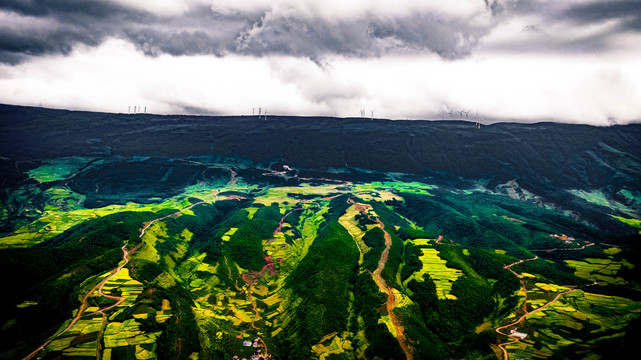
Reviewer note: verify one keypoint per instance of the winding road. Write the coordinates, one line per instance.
(514, 339)
(526, 313)
(100, 286)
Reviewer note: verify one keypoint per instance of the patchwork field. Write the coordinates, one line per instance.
(185, 285)
(573, 324)
(600, 270)
(433, 265)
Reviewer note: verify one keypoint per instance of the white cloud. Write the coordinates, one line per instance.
(516, 87)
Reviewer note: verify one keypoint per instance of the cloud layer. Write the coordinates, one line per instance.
(305, 28)
(570, 60)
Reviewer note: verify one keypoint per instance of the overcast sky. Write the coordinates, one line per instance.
(573, 61)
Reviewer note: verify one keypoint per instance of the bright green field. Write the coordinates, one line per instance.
(443, 276)
(59, 169)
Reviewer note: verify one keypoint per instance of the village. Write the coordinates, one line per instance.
(258, 354)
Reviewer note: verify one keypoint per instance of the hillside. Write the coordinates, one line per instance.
(176, 237)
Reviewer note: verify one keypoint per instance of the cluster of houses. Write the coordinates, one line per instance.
(252, 344)
(518, 335)
(563, 237)
(258, 355)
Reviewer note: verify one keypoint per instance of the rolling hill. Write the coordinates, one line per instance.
(173, 237)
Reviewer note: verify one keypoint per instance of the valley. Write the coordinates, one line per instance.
(211, 256)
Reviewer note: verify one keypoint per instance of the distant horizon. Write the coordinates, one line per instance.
(471, 121)
(569, 61)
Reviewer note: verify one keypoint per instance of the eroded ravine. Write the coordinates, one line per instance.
(391, 298)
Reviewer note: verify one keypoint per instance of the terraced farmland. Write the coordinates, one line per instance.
(184, 275)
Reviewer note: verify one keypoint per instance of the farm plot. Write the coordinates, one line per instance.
(573, 324)
(349, 222)
(127, 336)
(443, 276)
(123, 285)
(59, 169)
(81, 339)
(599, 270)
(334, 344)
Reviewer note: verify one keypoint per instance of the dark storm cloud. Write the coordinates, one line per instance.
(61, 8)
(273, 33)
(56, 26)
(202, 31)
(568, 28)
(628, 11)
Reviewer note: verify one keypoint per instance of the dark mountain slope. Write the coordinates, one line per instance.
(544, 158)
(565, 155)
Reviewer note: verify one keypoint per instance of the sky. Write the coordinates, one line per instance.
(575, 61)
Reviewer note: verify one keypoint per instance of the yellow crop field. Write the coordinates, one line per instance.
(599, 270)
(443, 276)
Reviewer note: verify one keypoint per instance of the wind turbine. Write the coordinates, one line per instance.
(451, 111)
(460, 114)
(129, 109)
(145, 109)
(372, 111)
(467, 112)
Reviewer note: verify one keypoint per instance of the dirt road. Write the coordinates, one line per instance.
(498, 330)
(391, 298)
(509, 267)
(526, 313)
(119, 299)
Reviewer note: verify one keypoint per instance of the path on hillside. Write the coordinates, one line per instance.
(571, 249)
(509, 267)
(233, 178)
(391, 298)
(525, 312)
(282, 220)
(100, 287)
(251, 277)
(148, 224)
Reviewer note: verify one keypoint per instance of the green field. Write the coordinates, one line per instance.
(574, 323)
(433, 265)
(185, 285)
(599, 270)
(59, 169)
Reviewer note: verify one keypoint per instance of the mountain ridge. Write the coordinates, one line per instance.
(545, 159)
